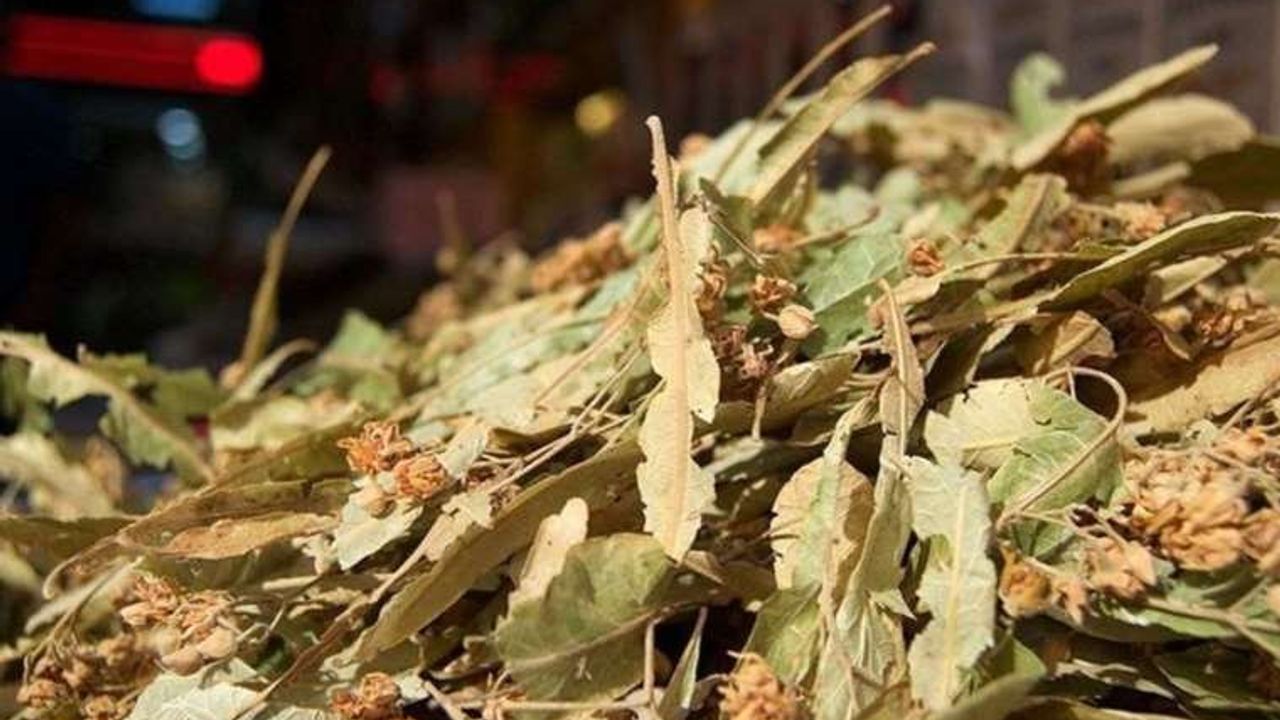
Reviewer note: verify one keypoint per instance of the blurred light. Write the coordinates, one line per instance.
(181, 134)
(233, 63)
(130, 54)
(178, 126)
(599, 111)
(192, 10)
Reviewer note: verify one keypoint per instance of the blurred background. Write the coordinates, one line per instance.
(147, 147)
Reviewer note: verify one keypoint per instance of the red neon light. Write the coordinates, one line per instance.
(131, 54)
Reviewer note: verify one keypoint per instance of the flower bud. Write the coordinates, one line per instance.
(796, 321)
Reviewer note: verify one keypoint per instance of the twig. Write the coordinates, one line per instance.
(262, 317)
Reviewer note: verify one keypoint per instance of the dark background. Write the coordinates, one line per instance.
(525, 115)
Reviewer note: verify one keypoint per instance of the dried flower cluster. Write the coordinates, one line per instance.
(581, 262)
(186, 631)
(380, 448)
(95, 680)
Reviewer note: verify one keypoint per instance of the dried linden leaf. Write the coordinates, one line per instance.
(959, 585)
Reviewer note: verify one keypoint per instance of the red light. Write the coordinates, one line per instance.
(230, 63)
(162, 57)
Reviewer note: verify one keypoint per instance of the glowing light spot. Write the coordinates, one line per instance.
(599, 111)
(229, 63)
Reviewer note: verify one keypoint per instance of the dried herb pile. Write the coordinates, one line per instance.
(869, 412)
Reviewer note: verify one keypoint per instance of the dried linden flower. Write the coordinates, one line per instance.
(581, 262)
(376, 449)
(923, 259)
(768, 293)
(420, 478)
(1123, 569)
(376, 698)
(753, 692)
(1262, 540)
(1024, 590)
(1141, 219)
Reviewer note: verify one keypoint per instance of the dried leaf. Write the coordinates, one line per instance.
(1183, 127)
(902, 394)
(58, 485)
(843, 288)
(47, 541)
(812, 510)
(262, 316)
(1033, 437)
(556, 536)
(674, 489)
(1203, 235)
(1214, 680)
(584, 640)
(677, 698)
(233, 538)
(146, 433)
(360, 533)
(599, 481)
(1111, 102)
(1213, 386)
(1064, 341)
(1029, 93)
(959, 584)
(788, 148)
(1029, 210)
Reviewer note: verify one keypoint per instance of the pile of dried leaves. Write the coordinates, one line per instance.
(870, 412)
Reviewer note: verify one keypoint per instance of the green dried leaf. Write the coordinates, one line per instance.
(148, 433)
(204, 695)
(787, 631)
(585, 639)
(1231, 603)
(1183, 127)
(788, 148)
(1215, 679)
(360, 534)
(361, 361)
(1030, 91)
(1110, 102)
(1201, 236)
(602, 481)
(1033, 437)
(959, 585)
(843, 287)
